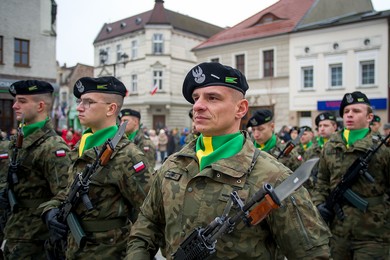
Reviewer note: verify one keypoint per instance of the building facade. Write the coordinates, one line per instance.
(332, 57)
(151, 54)
(27, 48)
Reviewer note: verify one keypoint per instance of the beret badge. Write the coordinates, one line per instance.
(198, 74)
(80, 86)
(349, 98)
(12, 89)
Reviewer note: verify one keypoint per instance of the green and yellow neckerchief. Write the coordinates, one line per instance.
(29, 129)
(212, 149)
(305, 146)
(132, 135)
(351, 136)
(321, 141)
(89, 139)
(267, 146)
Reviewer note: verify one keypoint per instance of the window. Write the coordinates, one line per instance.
(118, 52)
(307, 77)
(367, 72)
(268, 63)
(240, 63)
(134, 49)
(336, 75)
(134, 83)
(158, 44)
(158, 79)
(1, 50)
(214, 60)
(22, 52)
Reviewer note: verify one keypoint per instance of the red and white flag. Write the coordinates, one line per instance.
(154, 89)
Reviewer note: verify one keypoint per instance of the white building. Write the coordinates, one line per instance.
(152, 49)
(332, 57)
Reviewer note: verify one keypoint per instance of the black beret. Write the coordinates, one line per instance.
(108, 85)
(129, 112)
(306, 128)
(376, 119)
(30, 87)
(260, 117)
(356, 97)
(324, 116)
(213, 74)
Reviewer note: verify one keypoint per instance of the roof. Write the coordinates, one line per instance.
(346, 19)
(158, 15)
(284, 15)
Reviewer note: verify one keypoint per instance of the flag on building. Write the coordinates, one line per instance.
(154, 89)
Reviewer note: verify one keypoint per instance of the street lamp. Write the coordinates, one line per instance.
(103, 55)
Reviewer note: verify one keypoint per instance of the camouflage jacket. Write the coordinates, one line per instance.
(116, 192)
(334, 161)
(292, 160)
(4, 161)
(182, 198)
(147, 147)
(42, 173)
(313, 151)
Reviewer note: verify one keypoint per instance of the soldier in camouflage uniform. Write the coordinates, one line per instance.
(4, 160)
(193, 186)
(42, 171)
(327, 125)
(263, 126)
(306, 140)
(120, 186)
(361, 235)
(134, 134)
(375, 125)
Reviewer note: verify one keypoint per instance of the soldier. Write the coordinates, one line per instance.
(375, 125)
(116, 189)
(263, 126)
(137, 136)
(294, 132)
(4, 160)
(360, 235)
(386, 128)
(193, 186)
(43, 161)
(306, 140)
(326, 125)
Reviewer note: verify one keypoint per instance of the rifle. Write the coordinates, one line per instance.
(79, 191)
(201, 243)
(290, 145)
(333, 202)
(12, 177)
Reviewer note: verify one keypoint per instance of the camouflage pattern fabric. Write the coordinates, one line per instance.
(114, 192)
(359, 229)
(182, 198)
(42, 174)
(313, 151)
(190, 137)
(292, 161)
(147, 147)
(4, 161)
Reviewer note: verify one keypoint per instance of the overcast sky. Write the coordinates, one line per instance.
(79, 21)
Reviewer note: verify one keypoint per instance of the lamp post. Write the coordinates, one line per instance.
(103, 55)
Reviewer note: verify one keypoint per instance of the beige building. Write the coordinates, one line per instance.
(27, 48)
(152, 49)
